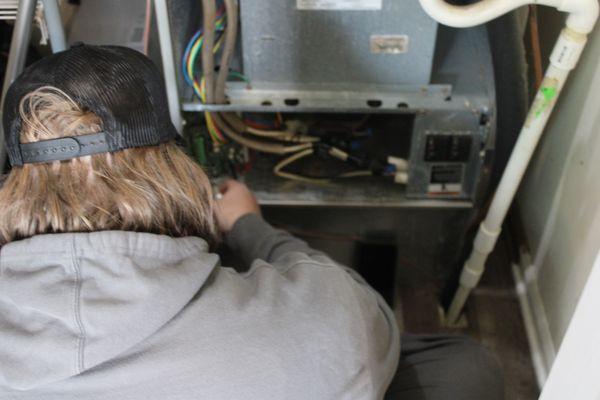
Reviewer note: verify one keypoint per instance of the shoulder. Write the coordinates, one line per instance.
(317, 294)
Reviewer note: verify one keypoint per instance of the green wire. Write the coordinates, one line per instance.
(196, 51)
(196, 48)
(200, 149)
(239, 75)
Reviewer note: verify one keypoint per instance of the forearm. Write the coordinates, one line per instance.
(253, 238)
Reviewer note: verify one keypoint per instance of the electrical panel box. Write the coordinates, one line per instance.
(380, 58)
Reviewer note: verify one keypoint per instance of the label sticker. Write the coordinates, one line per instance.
(389, 44)
(339, 4)
(446, 180)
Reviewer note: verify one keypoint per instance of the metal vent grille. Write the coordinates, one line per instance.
(8, 9)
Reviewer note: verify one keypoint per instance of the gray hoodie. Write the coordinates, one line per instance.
(122, 315)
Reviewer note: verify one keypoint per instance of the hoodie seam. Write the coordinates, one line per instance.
(186, 249)
(310, 263)
(77, 308)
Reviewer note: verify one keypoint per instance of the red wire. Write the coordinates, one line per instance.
(257, 125)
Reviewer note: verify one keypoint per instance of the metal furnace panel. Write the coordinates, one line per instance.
(342, 42)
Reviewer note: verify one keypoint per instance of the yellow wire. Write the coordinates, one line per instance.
(210, 124)
(218, 44)
(194, 49)
(201, 88)
(197, 87)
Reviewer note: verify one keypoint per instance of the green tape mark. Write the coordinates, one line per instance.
(549, 93)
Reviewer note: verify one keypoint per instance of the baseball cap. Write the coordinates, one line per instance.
(121, 86)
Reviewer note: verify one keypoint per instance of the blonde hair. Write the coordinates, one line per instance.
(156, 189)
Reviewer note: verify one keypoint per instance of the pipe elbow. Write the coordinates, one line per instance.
(583, 14)
(469, 15)
(582, 18)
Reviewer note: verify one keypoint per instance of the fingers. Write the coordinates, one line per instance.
(225, 186)
(234, 201)
(230, 184)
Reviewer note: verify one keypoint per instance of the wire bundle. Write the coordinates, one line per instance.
(188, 64)
(194, 47)
(220, 26)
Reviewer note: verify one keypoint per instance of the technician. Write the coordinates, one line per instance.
(109, 288)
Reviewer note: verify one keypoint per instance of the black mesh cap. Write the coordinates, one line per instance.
(120, 85)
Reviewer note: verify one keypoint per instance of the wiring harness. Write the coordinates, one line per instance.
(219, 33)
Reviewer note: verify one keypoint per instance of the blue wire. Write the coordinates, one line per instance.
(191, 43)
(188, 79)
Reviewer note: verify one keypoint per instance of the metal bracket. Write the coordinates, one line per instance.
(327, 98)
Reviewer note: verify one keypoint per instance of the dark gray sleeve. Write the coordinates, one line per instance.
(252, 238)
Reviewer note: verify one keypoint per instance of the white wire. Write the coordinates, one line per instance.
(284, 136)
(278, 170)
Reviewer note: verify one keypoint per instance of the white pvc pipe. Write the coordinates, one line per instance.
(582, 18)
(525, 146)
(168, 61)
(564, 58)
(566, 54)
(55, 26)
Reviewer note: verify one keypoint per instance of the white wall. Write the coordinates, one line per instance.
(559, 201)
(575, 372)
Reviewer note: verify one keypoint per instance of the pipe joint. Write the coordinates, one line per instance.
(470, 276)
(568, 49)
(486, 239)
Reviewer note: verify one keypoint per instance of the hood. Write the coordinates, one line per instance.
(69, 302)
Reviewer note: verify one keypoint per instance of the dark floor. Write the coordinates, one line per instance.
(493, 314)
(493, 318)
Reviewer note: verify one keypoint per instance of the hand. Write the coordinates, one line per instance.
(236, 200)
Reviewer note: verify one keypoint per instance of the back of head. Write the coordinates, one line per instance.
(143, 183)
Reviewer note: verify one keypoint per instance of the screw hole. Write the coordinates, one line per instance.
(484, 119)
(291, 102)
(374, 103)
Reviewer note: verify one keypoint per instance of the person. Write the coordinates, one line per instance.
(110, 287)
